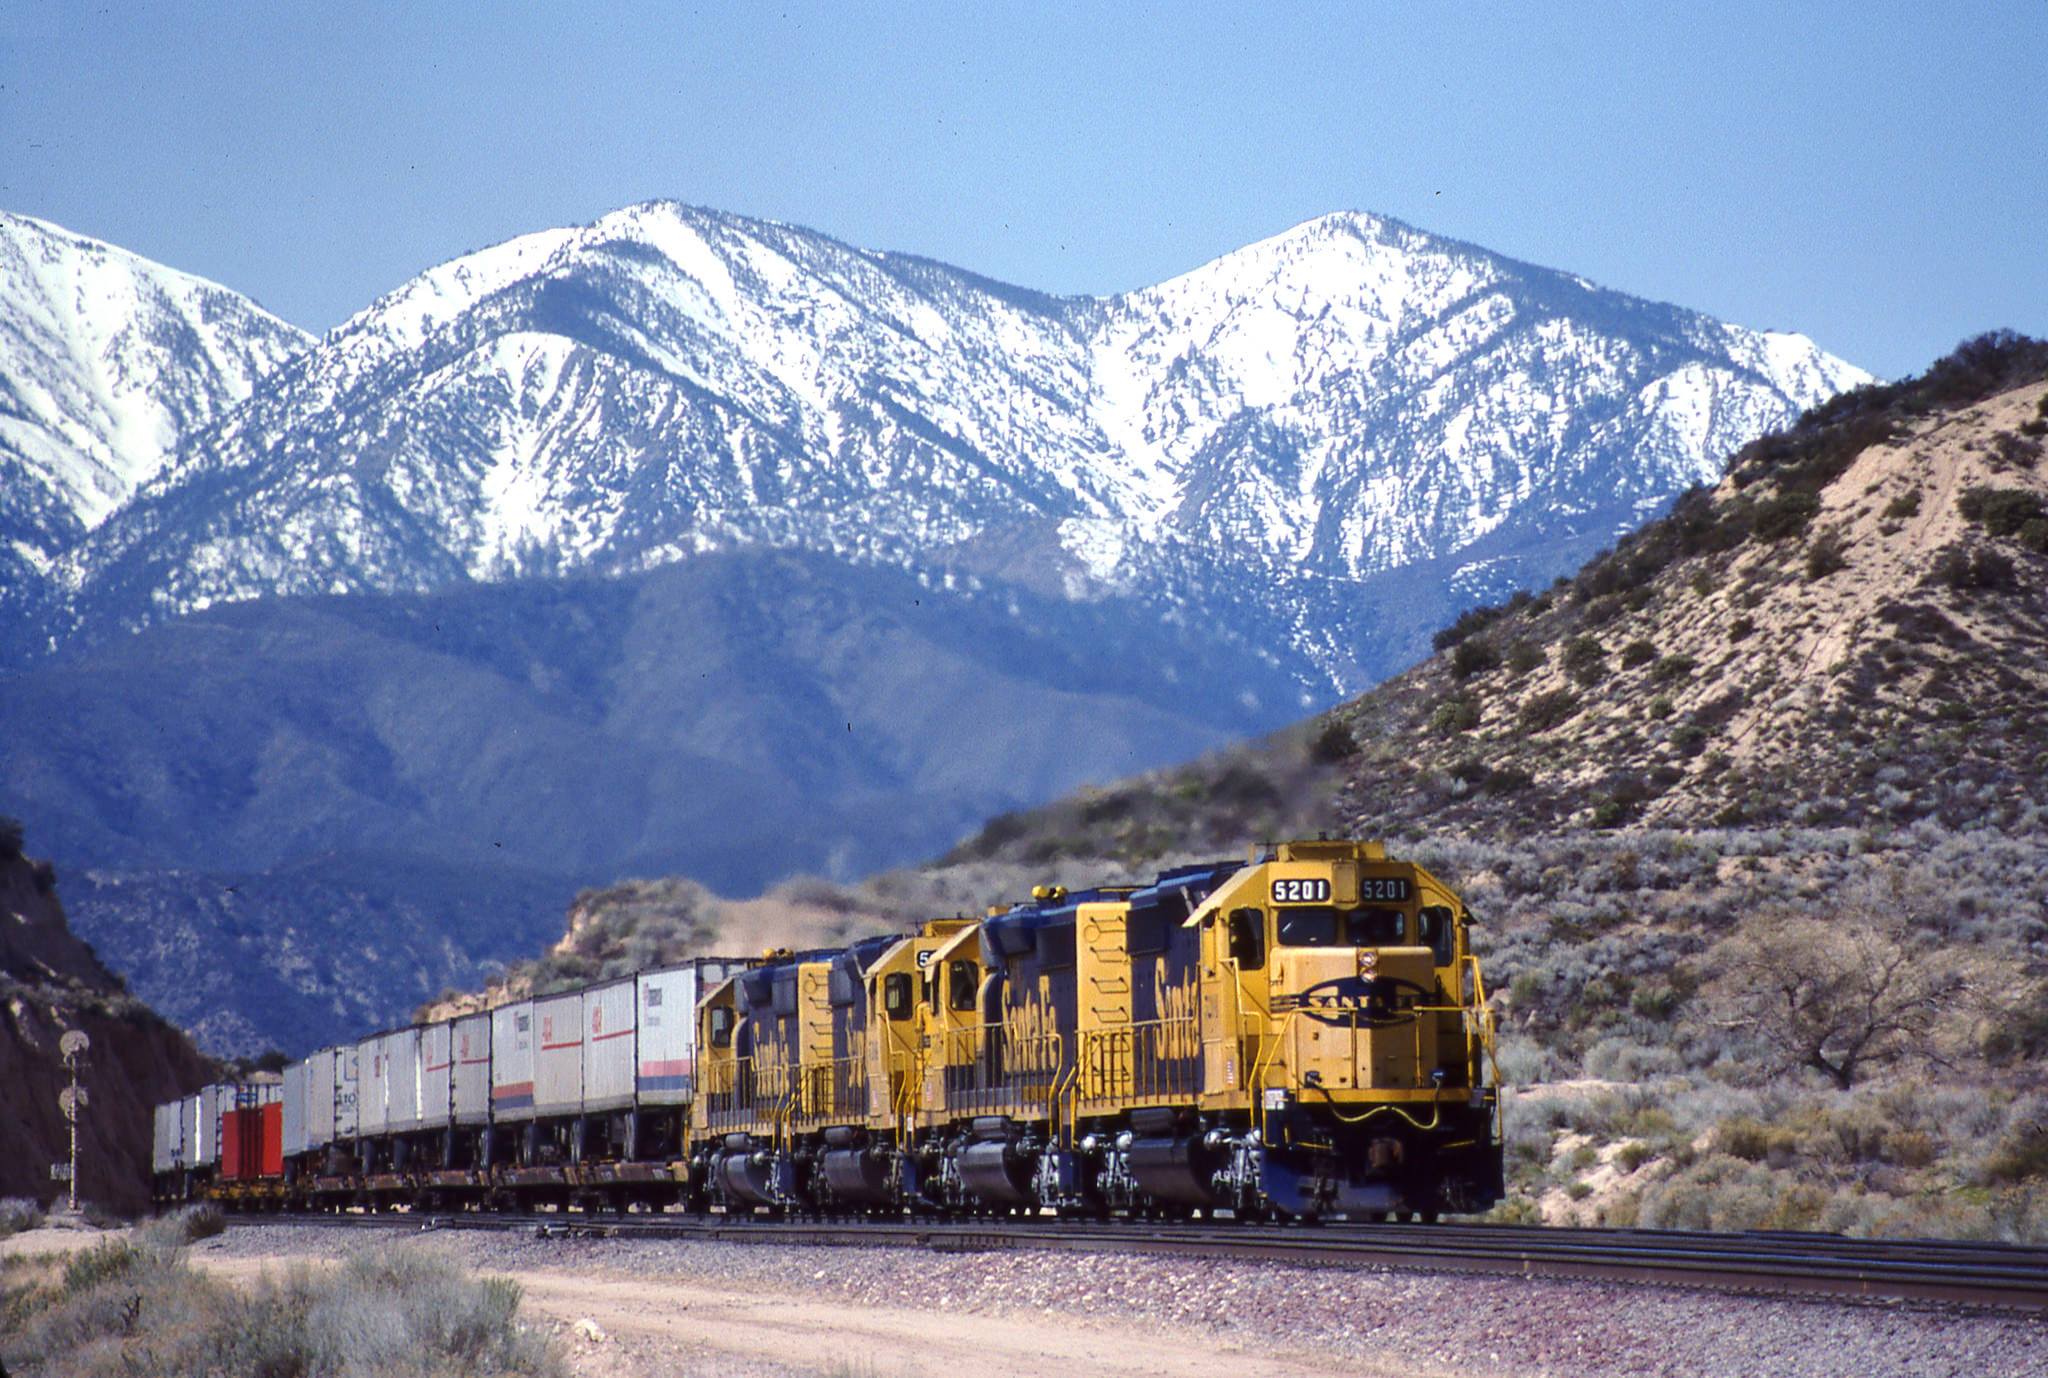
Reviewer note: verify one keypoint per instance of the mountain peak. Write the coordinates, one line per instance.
(107, 361)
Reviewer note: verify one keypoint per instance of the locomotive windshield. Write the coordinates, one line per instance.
(1322, 925)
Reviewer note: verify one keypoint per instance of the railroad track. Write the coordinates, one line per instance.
(2012, 1277)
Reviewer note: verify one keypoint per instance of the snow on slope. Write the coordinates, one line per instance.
(107, 361)
(1260, 438)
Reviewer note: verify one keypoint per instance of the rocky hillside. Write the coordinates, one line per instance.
(51, 982)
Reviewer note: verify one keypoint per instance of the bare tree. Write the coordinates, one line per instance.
(1876, 981)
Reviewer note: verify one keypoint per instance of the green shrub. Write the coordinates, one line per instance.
(1524, 656)
(1826, 554)
(1334, 743)
(1976, 568)
(1541, 712)
(1472, 621)
(2000, 511)
(1585, 659)
(1674, 667)
(1453, 715)
(1785, 515)
(1507, 780)
(1741, 627)
(2022, 1155)
(1637, 652)
(1633, 1155)
(1660, 708)
(1905, 505)
(1474, 656)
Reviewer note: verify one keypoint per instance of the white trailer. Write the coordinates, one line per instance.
(470, 1088)
(512, 1061)
(558, 1054)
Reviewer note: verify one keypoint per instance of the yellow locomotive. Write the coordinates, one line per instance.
(1303, 1034)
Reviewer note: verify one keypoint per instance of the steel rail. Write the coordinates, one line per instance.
(1964, 1272)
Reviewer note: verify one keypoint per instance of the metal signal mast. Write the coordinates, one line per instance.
(71, 1100)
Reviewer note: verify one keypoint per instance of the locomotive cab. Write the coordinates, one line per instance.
(1361, 1034)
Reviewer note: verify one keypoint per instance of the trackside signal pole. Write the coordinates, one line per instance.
(71, 1100)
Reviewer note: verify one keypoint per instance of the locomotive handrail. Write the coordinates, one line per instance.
(1148, 1062)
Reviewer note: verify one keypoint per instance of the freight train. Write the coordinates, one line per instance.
(1301, 1035)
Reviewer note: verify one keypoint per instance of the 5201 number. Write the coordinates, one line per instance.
(1316, 891)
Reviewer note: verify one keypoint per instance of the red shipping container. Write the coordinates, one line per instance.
(270, 1130)
(239, 1149)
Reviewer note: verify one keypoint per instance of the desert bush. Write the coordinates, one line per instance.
(1454, 714)
(1741, 627)
(1637, 652)
(1524, 656)
(1621, 1058)
(1474, 656)
(1906, 504)
(1334, 743)
(1541, 712)
(1673, 667)
(1973, 568)
(2000, 511)
(1472, 621)
(1826, 554)
(1585, 659)
(2015, 451)
(1785, 515)
(19, 1214)
(180, 1227)
(119, 1308)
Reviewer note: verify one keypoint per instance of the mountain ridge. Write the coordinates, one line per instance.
(666, 380)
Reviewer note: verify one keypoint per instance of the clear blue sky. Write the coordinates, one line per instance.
(1874, 175)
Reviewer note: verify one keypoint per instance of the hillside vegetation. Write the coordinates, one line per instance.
(1750, 810)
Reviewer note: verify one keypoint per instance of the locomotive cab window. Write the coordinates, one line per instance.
(896, 1000)
(1248, 938)
(960, 984)
(1437, 928)
(721, 1026)
(1322, 925)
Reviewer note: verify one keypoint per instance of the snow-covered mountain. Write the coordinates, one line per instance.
(1279, 441)
(107, 362)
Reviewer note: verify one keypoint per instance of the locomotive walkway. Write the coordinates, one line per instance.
(2012, 1277)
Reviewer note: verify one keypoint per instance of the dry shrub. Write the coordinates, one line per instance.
(139, 1308)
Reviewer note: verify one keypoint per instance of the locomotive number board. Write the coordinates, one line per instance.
(1316, 890)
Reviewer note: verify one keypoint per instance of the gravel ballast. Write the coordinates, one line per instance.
(1446, 1323)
